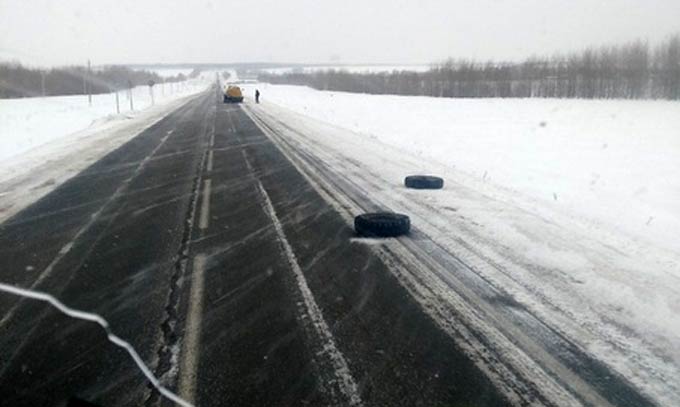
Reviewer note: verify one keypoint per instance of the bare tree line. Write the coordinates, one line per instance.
(630, 71)
(17, 81)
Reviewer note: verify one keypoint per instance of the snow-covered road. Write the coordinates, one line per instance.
(567, 207)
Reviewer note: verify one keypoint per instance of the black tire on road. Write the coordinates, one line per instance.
(423, 182)
(382, 224)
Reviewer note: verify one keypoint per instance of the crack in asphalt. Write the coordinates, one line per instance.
(168, 353)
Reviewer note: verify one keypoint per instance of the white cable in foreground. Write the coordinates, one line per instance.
(86, 316)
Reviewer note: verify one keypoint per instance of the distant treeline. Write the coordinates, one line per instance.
(631, 71)
(17, 81)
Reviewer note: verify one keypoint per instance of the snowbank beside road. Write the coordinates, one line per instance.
(614, 163)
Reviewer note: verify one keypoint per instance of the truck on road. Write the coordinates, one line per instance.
(233, 94)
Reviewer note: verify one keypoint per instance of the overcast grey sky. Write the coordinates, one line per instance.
(48, 32)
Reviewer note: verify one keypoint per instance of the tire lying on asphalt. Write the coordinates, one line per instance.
(423, 182)
(382, 224)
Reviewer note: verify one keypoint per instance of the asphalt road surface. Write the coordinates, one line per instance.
(205, 247)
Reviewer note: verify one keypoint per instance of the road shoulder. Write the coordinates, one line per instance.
(32, 175)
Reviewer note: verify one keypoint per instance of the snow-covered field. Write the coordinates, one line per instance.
(570, 206)
(349, 68)
(168, 72)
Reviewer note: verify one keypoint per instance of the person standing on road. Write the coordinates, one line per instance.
(257, 96)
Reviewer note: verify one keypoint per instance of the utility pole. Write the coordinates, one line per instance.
(89, 88)
(132, 108)
(84, 82)
(117, 102)
(151, 83)
(42, 82)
